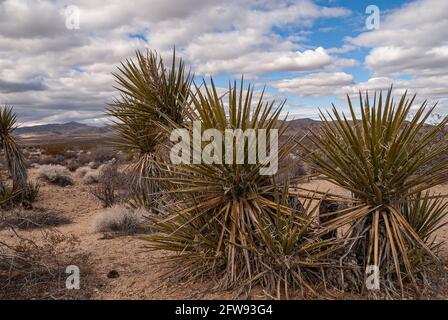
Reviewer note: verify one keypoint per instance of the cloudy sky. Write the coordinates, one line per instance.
(310, 52)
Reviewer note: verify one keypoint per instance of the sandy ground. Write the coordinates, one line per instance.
(138, 277)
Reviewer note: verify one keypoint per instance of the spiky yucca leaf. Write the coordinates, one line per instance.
(229, 220)
(152, 91)
(383, 160)
(425, 214)
(15, 159)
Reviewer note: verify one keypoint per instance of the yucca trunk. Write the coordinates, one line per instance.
(15, 159)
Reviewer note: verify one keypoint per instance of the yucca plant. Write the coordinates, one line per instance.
(15, 159)
(150, 90)
(151, 95)
(385, 161)
(425, 213)
(228, 220)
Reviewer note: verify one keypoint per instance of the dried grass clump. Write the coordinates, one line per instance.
(55, 174)
(91, 177)
(120, 219)
(34, 219)
(82, 171)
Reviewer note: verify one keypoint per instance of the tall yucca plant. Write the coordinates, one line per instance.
(230, 221)
(385, 161)
(15, 160)
(151, 95)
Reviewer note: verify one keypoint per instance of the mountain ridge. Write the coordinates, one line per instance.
(68, 128)
(77, 128)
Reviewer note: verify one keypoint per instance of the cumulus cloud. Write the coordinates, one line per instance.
(316, 84)
(263, 62)
(410, 43)
(10, 87)
(57, 70)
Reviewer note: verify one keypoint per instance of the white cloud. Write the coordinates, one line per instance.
(263, 62)
(72, 68)
(411, 41)
(316, 84)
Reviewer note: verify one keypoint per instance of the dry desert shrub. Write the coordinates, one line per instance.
(33, 219)
(72, 165)
(37, 269)
(55, 174)
(51, 159)
(82, 171)
(112, 185)
(55, 149)
(120, 219)
(96, 157)
(91, 177)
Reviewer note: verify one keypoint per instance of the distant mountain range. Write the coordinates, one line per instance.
(76, 128)
(69, 128)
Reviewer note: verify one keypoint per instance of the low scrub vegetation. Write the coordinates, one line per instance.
(55, 174)
(36, 270)
(35, 218)
(113, 185)
(120, 219)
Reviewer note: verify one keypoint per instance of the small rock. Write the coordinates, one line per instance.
(113, 274)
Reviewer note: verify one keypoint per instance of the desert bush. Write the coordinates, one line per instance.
(85, 158)
(383, 160)
(110, 181)
(102, 155)
(36, 270)
(72, 165)
(35, 218)
(70, 154)
(57, 149)
(121, 219)
(51, 160)
(91, 177)
(95, 157)
(55, 174)
(82, 171)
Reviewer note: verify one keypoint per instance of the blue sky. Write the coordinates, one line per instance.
(56, 57)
